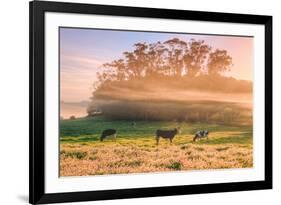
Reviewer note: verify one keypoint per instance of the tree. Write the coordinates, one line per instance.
(195, 57)
(156, 61)
(175, 49)
(173, 57)
(219, 62)
(72, 117)
(137, 60)
(119, 68)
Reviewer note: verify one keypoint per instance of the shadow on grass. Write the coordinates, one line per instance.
(231, 140)
(79, 139)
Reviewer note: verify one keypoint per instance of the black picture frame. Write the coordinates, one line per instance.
(37, 193)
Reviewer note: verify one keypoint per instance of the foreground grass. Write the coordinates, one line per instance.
(135, 151)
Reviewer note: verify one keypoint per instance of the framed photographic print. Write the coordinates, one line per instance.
(141, 102)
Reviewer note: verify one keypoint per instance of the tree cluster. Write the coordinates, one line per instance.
(173, 57)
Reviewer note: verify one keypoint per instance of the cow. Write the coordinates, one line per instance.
(166, 134)
(201, 134)
(134, 124)
(108, 132)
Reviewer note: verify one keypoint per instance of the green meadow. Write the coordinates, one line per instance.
(135, 150)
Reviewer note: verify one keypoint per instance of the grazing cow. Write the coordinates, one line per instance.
(134, 124)
(166, 134)
(201, 134)
(108, 132)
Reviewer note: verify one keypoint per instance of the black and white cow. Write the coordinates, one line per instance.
(201, 134)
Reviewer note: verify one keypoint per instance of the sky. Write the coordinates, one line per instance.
(83, 51)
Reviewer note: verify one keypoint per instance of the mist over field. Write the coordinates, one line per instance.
(166, 98)
(77, 109)
(198, 99)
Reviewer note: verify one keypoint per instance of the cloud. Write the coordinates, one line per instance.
(78, 74)
(80, 62)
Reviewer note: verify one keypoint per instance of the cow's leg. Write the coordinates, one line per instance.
(114, 137)
(171, 140)
(157, 140)
(195, 138)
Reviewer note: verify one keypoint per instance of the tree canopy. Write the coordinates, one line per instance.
(174, 57)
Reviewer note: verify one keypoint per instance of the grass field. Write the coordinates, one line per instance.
(135, 151)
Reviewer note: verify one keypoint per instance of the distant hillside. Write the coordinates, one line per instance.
(77, 109)
(83, 103)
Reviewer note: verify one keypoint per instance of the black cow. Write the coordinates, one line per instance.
(166, 134)
(108, 132)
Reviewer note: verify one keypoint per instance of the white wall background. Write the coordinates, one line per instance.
(14, 44)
